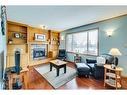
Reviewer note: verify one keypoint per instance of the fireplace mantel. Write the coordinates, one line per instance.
(39, 42)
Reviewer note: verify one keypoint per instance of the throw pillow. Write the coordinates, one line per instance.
(101, 60)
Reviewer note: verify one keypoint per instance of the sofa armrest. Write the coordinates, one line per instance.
(98, 72)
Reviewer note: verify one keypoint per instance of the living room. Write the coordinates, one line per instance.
(73, 53)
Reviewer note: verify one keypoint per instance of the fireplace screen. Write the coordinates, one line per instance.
(38, 51)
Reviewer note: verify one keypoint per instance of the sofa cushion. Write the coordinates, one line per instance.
(100, 61)
(91, 65)
(91, 61)
(81, 65)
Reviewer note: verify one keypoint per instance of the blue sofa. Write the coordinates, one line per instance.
(91, 67)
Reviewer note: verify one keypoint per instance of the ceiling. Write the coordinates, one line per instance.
(62, 17)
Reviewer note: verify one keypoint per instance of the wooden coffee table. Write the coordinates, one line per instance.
(58, 64)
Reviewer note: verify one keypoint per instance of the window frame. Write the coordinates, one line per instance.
(87, 42)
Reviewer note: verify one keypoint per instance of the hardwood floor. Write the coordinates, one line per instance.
(36, 81)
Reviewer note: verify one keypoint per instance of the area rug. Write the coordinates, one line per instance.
(56, 81)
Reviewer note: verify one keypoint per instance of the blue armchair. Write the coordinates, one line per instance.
(62, 54)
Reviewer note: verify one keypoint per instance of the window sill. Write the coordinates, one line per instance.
(83, 54)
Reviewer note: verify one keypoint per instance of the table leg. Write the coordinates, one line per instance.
(116, 79)
(120, 79)
(50, 66)
(10, 82)
(57, 71)
(65, 69)
(26, 78)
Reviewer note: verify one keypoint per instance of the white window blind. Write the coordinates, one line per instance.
(85, 42)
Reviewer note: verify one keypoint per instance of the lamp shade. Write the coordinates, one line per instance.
(115, 52)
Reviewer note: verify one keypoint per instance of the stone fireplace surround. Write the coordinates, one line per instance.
(38, 51)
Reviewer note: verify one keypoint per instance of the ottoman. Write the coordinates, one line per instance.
(83, 69)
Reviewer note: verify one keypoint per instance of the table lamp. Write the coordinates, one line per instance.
(114, 52)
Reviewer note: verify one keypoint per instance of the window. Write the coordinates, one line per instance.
(85, 42)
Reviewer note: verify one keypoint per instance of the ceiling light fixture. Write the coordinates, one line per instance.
(43, 26)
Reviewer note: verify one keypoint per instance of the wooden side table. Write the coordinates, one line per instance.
(23, 74)
(112, 77)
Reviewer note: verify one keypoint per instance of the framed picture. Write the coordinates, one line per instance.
(40, 37)
(3, 19)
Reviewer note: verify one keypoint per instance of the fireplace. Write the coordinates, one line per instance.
(38, 51)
